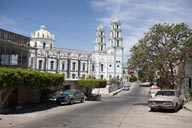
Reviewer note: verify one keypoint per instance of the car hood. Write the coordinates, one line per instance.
(162, 98)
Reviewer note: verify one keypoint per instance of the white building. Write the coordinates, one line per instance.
(103, 63)
(107, 62)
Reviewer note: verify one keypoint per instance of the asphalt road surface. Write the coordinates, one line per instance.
(127, 109)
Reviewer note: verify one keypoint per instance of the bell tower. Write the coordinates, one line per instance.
(100, 45)
(116, 44)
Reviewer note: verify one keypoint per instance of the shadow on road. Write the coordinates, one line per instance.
(29, 108)
(165, 110)
(141, 104)
(144, 85)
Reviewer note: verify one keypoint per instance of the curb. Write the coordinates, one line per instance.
(116, 92)
(186, 108)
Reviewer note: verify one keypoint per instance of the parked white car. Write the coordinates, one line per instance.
(166, 99)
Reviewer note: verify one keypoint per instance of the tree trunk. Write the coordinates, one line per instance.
(1, 104)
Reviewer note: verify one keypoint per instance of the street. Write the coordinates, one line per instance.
(128, 109)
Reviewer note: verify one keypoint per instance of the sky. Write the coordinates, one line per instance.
(74, 22)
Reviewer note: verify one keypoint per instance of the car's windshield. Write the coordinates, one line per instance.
(165, 93)
(68, 92)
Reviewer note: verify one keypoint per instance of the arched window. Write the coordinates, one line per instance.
(44, 45)
(35, 44)
(40, 64)
(83, 67)
(73, 76)
(101, 67)
(74, 66)
(63, 66)
(52, 64)
(102, 77)
(93, 67)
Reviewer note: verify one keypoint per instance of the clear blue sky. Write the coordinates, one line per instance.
(74, 22)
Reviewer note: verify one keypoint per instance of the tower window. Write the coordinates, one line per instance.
(52, 64)
(117, 43)
(35, 44)
(101, 47)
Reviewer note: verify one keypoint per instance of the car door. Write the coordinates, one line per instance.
(75, 96)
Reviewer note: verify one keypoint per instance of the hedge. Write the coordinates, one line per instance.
(92, 83)
(15, 77)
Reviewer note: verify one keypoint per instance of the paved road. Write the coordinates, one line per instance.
(128, 109)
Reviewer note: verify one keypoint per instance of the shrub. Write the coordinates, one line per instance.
(133, 79)
(89, 84)
(189, 94)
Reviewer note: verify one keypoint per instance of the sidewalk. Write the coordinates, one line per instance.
(112, 93)
(188, 106)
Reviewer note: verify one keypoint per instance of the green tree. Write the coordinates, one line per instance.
(89, 84)
(10, 79)
(162, 49)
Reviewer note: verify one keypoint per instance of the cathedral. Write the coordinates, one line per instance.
(105, 62)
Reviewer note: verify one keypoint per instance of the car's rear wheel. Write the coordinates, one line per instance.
(82, 100)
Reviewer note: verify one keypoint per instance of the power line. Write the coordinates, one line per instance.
(51, 27)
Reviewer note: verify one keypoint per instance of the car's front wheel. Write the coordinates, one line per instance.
(152, 109)
(71, 101)
(176, 108)
(58, 103)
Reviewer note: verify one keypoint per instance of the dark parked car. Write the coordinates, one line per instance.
(126, 88)
(70, 97)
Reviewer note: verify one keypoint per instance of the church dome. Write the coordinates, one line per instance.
(42, 33)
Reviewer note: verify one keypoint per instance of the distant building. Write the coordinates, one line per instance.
(14, 50)
(103, 63)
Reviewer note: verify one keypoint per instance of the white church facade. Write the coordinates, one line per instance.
(105, 62)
